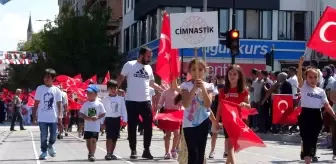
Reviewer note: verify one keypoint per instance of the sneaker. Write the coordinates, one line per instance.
(167, 156)
(315, 159)
(212, 154)
(52, 152)
(92, 158)
(108, 157)
(133, 155)
(43, 156)
(66, 134)
(174, 154)
(334, 157)
(147, 155)
(113, 157)
(225, 155)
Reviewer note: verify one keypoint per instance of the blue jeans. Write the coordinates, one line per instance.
(46, 127)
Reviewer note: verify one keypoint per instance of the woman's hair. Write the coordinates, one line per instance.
(177, 99)
(200, 62)
(240, 82)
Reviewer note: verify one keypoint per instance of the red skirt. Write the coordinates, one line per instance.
(169, 125)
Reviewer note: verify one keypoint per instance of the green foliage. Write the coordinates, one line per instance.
(73, 44)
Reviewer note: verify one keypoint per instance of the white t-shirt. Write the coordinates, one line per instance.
(312, 97)
(195, 114)
(330, 84)
(94, 108)
(47, 108)
(138, 78)
(115, 107)
(257, 86)
(64, 100)
(320, 78)
(295, 85)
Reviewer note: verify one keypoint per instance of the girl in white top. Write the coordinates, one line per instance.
(313, 99)
(196, 99)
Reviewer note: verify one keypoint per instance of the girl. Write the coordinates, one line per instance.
(234, 91)
(167, 101)
(196, 99)
(310, 121)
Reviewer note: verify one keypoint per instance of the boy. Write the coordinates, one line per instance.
(92, 111)
(48, 104)
(115, 113)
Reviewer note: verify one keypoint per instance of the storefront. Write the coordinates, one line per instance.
(252, 54)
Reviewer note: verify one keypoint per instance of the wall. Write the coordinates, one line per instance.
(117, 8)
(295, 5)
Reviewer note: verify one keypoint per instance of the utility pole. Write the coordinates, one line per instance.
(205, 9)
(233, 57)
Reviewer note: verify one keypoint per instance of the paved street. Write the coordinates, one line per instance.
(22, 147)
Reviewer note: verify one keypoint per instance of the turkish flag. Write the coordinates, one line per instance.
(78, 78)
(243, 112)
(30, 101)
(107, 77)
(73, 105)
(65, 81)
(323, 39)
(241, 136)
(93, 79)
(283, 109)
(168, 62)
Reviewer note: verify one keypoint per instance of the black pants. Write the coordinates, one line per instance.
(2, 116)
(265, 119)
(310, 123)
(17, 116)
(144, 109)
(196, 139)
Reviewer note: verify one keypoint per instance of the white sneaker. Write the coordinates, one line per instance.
(211, 154)
(167, 156)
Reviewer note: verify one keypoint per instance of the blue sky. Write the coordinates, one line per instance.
(14, 18)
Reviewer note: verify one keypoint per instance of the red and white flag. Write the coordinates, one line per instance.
(323, 38)
(168, 62)
(107, 77)
(241, 136)
(283, 109)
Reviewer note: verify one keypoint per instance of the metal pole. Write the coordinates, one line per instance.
(205, 9)
(181, 68)
(233, 58)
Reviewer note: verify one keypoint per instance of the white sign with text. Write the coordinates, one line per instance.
(194, 29)
(102, 91)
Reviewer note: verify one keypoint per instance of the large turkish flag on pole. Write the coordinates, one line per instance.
(323, 39)
(168, 62)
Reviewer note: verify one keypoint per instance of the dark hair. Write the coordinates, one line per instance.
(254, 71)
(240, 82)
(177, 99)
(143, 50)
(264, 72)
(249, 80)
(292, 68)
(112, 84)
(276, 73)
(314, 63)
(51, 72)
(332, 67)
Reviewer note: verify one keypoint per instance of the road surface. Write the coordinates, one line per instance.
(23, 147)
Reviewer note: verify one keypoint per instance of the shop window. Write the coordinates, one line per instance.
(294, 25)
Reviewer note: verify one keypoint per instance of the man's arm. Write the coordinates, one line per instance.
(156, 86)
(120, 79)
(59, 108)
(37, 102)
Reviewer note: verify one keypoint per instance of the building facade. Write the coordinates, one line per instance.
(284, 24)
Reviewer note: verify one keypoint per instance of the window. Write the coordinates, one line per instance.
(240, 22)
(152, 26)
(135, 35)
(142, 30)
(293, 25)
(127, 6)
(195, 9)
(127, 39)
(252, 24)
(175, 9)
(265, 25)
(223, 20)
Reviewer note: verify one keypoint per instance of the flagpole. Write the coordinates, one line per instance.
(205, 9)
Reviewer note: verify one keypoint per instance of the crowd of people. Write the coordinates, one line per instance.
(199, 98)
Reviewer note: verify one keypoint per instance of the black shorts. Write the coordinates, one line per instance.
(81, 120)
(89, 135)
(112, 127)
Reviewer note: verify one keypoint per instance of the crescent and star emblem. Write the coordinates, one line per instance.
(283, 102)
(234, 116)
(164, 39)
(324, 29)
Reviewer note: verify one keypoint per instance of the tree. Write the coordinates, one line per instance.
(72, 44)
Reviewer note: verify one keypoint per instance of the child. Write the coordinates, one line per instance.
(196, 98)
(92, 111)
(115, 113)
(48, 105)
